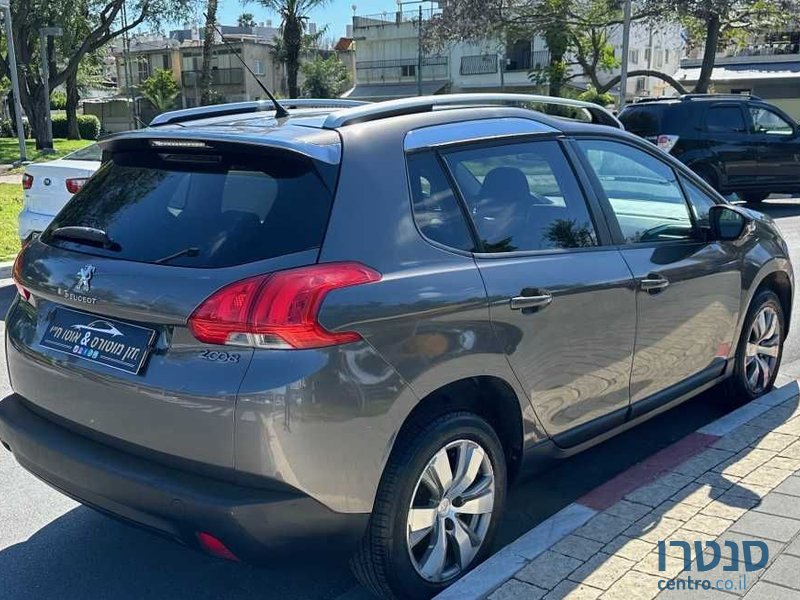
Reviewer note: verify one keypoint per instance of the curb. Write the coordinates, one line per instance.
(504, 564)
(5, 269)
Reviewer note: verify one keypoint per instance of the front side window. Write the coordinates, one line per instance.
(699, 201)
(770, 122)
(642, 190)
(725, 119)
(436, 210)
(522, 197)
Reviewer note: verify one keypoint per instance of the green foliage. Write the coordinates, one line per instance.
(8, 129)
(160, 89)
(88, 125)
(58, 100)
(246, 20)
(601, 98)
(325, 77)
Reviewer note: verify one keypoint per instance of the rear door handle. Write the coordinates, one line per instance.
(654, 283)
(541, 300)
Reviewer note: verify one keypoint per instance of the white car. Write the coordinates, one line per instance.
(49, 185)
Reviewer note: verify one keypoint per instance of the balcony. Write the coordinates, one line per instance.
(385, 19)
(527, 61)
(480, 64)
(218, 77)
(434, 68)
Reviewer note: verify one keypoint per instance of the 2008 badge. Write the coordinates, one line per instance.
(223, 357)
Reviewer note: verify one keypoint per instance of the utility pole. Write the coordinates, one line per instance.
(419, 53)
(44, 33)
(623, 69)
(12, 65)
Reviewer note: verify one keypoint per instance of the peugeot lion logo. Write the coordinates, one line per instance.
(85, 278)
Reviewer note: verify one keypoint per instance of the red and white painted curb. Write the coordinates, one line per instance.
(502, 566)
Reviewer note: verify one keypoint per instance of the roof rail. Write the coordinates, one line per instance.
(419, 104)
(236, 108)
(708, 96)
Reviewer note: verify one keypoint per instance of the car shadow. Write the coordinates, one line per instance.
(776, 207)
(84, 554)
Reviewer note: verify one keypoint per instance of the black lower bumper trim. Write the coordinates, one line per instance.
(255, 524)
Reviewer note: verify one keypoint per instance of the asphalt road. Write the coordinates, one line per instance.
(51, 547)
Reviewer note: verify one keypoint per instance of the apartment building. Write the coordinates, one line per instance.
(388, 57)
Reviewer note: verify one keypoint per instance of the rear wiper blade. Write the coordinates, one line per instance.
(92, 235)
(191, 251)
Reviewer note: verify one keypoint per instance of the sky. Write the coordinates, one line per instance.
(336, 13)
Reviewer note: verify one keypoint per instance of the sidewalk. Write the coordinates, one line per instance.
(731, 489)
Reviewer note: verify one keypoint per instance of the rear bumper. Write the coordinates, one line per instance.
(255, 524)
(32, 222)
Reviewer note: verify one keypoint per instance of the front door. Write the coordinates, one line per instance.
(688, 290)
(562, 304)
(778, 149)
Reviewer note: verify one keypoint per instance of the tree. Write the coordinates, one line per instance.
(712, 22)
(160, 89)
(576, 33)
(593, 95)
(325, 77)
(246, 20)
(294, 21)
(103, 23)
(206, 81)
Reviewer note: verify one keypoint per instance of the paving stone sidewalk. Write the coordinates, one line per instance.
(741, 486)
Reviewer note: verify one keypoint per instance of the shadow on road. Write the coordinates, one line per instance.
(86, 555)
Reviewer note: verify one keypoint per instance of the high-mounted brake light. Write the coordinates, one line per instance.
(75, 184)
(278, 310)
(27, 181)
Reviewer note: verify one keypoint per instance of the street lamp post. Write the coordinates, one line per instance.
(623, 69)
(44, 33)
(12, 64)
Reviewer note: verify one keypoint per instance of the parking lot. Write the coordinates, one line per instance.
(52, 547)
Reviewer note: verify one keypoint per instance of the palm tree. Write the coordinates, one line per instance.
(294, 20)
(208, 45)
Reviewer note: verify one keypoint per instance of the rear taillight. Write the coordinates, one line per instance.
(27, 181)
(666, 142)
(16, 273)
(75, 184)
(278, 310)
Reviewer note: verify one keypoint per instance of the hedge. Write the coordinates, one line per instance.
(7, 128)
(88, 125)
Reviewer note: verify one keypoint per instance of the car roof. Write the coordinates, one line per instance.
(312, 131)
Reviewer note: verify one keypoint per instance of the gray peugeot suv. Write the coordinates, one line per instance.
(351, 328)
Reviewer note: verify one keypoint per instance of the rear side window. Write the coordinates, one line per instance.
(725, 119)
(210, 211)
(523, 197)
(650, 120)
(436, 209)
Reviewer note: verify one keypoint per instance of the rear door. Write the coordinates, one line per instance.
(561, 302)
(688, 289)
(779, 147)
(103, 341)
(729, 139)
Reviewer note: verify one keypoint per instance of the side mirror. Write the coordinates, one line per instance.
(728, 223)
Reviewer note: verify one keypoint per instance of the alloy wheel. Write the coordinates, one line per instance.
(763, 349)
(451, 510)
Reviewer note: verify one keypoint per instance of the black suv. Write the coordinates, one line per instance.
(738, 144)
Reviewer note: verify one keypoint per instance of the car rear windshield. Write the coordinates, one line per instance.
(199, 210)
(651, 119)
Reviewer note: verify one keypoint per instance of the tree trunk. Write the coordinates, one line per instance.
(35, 110)
(293, 42)
(709, 54)
(206, 92)
(644, 73)
(557, 42)
(73, 131)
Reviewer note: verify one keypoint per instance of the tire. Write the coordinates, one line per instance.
(740, 386)
(384, 563)
(753, 197)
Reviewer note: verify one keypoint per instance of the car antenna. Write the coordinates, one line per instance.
(280, 111)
